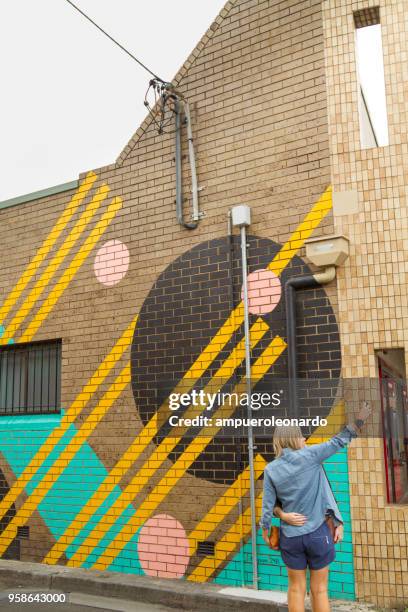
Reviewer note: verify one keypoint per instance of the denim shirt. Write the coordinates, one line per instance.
(298, 481)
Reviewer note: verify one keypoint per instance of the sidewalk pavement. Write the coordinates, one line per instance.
(178, 594)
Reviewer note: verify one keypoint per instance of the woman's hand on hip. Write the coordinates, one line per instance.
(293, 518)
(338, 534)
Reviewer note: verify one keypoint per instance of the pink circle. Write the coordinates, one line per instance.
(264, 291)
(111, 262)
(163, 547)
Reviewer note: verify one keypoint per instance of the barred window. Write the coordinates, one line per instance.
(30, 378)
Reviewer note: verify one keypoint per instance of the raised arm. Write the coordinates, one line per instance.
(320, 452)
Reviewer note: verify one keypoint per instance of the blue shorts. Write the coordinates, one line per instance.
(315, 549)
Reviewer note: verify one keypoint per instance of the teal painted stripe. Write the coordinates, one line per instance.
(20, 439)
(92, 523)
(80, 480)
(70, 492)
(23, 424)
(120, 522)
(24, 457)
(127, 561)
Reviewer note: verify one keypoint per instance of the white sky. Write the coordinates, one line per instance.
(371, 73)
(70, 99)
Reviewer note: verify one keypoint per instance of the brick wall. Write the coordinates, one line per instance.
(372, 284)
(101, 486)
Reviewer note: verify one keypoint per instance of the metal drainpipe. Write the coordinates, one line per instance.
(248, 390)
(299, 282)
(179, 188)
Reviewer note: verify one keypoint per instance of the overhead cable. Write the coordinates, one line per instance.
(115, 41)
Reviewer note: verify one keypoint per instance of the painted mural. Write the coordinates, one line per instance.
(188, 333)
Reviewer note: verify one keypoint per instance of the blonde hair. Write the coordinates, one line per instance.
(286, 436)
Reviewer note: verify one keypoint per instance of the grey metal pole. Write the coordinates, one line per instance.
(248, 386)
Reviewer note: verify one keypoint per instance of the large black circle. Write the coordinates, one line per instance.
(187, 305)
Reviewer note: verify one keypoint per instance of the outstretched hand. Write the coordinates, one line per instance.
(361, 417)
(364, 412)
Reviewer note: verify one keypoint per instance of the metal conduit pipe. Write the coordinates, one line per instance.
(306, 281)
(249, 393)
(235, 379)
(240, 216)
(179, 186)
(192, 159)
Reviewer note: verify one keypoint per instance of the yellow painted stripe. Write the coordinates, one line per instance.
(178, 469)
(48, 243)
(72, 269)
(303, 232)
(101, 494)
(59, 465)
(224, 504)
(159, 455)
(200, 365)
(75, 409)
(225, 545)
(277, 265)
(223, 335)
(296, 241)
(55, 263)
(129, 457)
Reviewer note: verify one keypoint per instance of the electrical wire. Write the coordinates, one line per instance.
(115, 41)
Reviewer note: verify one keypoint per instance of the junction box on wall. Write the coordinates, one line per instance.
(241, 216)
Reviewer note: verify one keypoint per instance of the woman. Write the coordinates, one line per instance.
(297, 482)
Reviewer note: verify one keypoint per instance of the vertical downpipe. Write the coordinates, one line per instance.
(178, 162)
(248, 390)
(193, 167)
(179, 192)
(306, 281)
